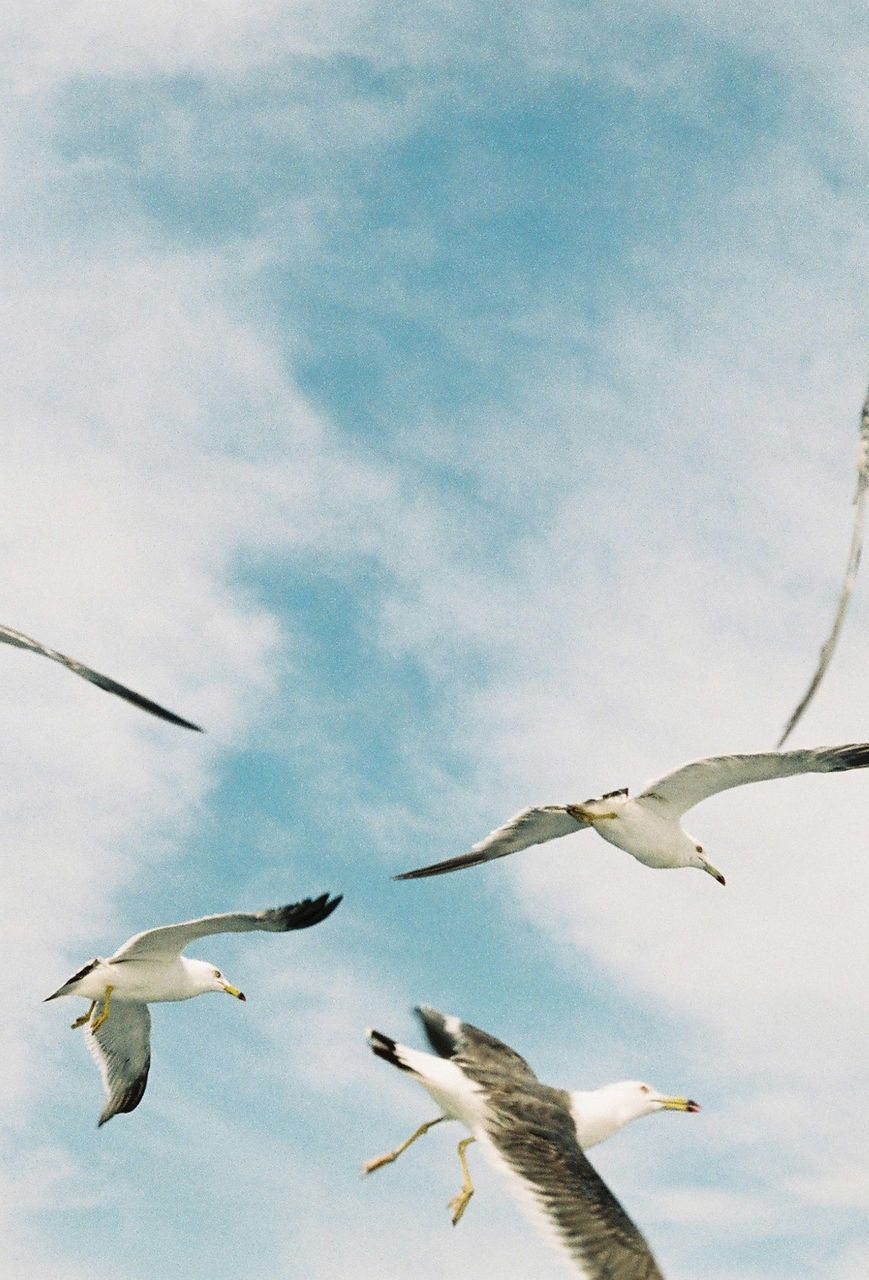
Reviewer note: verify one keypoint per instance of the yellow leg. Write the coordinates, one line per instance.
(98, 1022)
(378, 1161)
(459, 1202)
(85, 1017)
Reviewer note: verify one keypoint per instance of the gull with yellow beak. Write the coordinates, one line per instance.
(649, 826)
(535, 1135)
(148, 968)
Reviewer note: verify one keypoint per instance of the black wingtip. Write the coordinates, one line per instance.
(434, 1024)
(854, 756)
(108, 685)
(442, 868)
(310, 911)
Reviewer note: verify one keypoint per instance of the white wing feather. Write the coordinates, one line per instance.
(171, 939)
(680, 790)
(121, 1048)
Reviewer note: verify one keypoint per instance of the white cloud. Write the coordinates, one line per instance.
(665, 590)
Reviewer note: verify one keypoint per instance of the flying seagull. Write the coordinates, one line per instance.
(648, 826)
(150, 967)
(850, 572)
(21, 641)
(535, 1135)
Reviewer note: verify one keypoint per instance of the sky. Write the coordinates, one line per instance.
(451, 407)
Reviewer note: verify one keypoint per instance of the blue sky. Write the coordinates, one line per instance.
(451, 408)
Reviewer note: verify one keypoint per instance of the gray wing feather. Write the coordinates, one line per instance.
(854, 553)
(121, 1048)
(683, 788)
(475, 1051)
(21, 641)
(534, 825)
(171, 939)
(533, 1131)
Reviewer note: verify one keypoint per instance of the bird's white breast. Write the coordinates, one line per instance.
(651, 837)
(142, 980)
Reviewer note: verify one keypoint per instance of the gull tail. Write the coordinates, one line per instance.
(69, 986)
(441, 868)
(387, 1048)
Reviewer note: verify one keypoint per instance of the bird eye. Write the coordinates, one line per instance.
(644, 1088)
(699, 848)
(217, 973)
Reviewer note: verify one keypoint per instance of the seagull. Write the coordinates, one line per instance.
(850, 573)
(149, 967)
(535, 1135)
(21, 641)
(648, 826)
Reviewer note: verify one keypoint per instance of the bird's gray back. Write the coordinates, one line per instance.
(533, 1130)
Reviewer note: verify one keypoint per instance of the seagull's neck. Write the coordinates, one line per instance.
(595, 1116)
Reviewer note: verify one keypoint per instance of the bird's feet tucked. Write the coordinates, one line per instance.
(582, 813)
(100, 1019)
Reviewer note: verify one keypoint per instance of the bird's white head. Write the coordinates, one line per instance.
(599, 1113)
(631, 1099)
(207, 977)
(696, 858)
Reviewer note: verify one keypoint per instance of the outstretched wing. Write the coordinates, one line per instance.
(471, 1049)
(854, 552)
(535, 825)
(171, 939)
(683, 788)
(21, 641)
(121, 1048)
(533, 1140)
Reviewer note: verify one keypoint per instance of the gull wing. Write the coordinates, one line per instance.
(171, 939)
(530, 826)
(683, 788)
(472, 1049)
(21, 641)
(121, 1048)
(850, 573)
(533, 1141)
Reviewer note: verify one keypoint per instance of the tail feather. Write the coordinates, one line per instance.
(69, 985)
(386, 1048)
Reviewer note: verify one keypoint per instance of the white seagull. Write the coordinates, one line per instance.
(149, 967)
(854, 552)
(21, 641)
(534, 1134)
(649, 826)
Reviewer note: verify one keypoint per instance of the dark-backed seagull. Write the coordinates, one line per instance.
(648, 826)
(21, 641)
(149, 967)
(536, 1136)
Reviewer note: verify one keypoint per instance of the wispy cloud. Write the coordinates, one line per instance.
(450, 410)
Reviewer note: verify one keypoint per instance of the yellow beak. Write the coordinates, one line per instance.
(680, 1104)
(234, 991)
